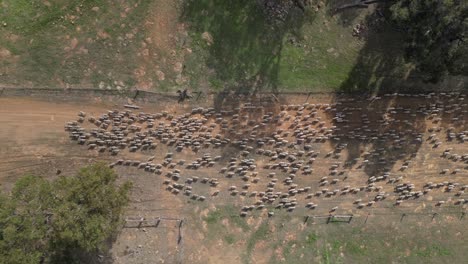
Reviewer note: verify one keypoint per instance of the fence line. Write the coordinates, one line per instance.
(145, 222)
(142, 94)
(403, 216)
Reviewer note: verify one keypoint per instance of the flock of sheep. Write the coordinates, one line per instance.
(274, 154)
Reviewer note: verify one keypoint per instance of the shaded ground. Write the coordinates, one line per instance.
(244, 50)
(380, 64)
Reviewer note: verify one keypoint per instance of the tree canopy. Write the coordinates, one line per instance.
(434, 31)
(435, 34)
(58, 221)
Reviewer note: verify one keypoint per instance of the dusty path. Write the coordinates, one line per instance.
(33, 140)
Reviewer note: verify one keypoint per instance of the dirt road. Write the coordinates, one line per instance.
(389, 135)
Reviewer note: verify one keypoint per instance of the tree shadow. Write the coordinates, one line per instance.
(375, 125)
(244, 44)
(251, 112)
(345, 17)
(376, 132)
(381, 66)
(381, 110)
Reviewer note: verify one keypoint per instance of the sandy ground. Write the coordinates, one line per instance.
(32, 139)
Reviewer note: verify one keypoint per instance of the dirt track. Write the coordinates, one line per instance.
(33, 140)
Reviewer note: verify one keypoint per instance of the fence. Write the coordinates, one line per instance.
(136, 94)
(173, 250)
(370, 217)
(87, 94)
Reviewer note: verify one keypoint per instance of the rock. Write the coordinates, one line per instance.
(208, 38)
(180, 79)
(161, 75)
(73, 43)
(4, 53)
(178, 67)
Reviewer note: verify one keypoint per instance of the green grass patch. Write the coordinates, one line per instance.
(240, 222)
(355, 249)
(261, 233)
(217, 229)
(230, 239)
(315, 53)
(433, 251)
(33, 16)
(229, 212)
(330, 253)
(312, 52)
(213, 217)
(41, 35)
(246, 47)
(288, 249)
(311, 239)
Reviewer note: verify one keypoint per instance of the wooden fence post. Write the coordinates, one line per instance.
(367, 217)
(402, 216)
(329, 218)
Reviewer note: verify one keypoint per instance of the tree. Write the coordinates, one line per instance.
(23, 228)
(59, 221)
(89, 209)
(281, 10)
(435, 34)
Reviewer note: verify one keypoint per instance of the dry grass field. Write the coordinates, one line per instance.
(234, 178)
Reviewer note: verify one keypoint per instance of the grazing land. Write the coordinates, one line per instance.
(166, 45)
(309, 140)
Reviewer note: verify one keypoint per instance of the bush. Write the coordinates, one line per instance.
(62, 220)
